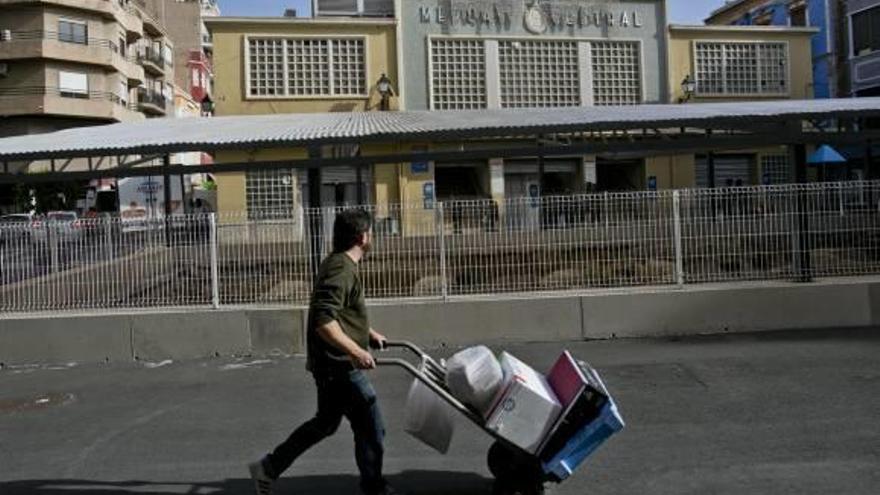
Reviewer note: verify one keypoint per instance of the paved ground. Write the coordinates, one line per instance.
(793, 413)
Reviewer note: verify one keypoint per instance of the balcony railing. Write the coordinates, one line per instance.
(74, 39)
(62, 92)
(149, 55)
(150, 97)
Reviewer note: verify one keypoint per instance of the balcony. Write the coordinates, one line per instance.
(151, 102)
(207, 42)
(52, 100)
(151, 25)
(152, 61)
(865, 71)
(52, 45)
(119, 10)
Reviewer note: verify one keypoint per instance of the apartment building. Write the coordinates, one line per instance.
(69, 63)
(863, 18)
(75, 63)
(193, 48)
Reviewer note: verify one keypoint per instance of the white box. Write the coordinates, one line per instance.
(526, 407)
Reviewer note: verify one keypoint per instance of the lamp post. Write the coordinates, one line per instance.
(383, 86)
(688, 88)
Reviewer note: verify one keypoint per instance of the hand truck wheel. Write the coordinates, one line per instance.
(515, 473)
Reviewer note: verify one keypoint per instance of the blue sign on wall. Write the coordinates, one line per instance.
(652, 183)
(420, 167)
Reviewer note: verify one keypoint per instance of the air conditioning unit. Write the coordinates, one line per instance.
(6, 35)
(4, 69)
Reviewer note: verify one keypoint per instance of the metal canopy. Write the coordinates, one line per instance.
(163, 136)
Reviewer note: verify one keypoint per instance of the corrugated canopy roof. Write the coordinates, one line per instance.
(247, 132)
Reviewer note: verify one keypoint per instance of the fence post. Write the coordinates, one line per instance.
(606, 211)
(679, 256)
(52, 240)
(215, 273)
(108, 238)
(440, 228)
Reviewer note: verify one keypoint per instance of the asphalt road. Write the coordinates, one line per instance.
(792, 413)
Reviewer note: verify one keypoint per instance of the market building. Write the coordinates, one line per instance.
(427, 55)
(518, 54)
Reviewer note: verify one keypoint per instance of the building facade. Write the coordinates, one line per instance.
(297, 65)
(735, 63)
(506, 53)
(74, 63)
(65, 64)
(442, 55)
(863, 19)
(828, 44)
(184, 23)
(459, 55)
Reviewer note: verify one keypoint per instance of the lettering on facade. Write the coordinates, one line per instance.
(502, 13)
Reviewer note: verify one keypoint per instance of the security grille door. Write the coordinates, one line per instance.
(728, 169)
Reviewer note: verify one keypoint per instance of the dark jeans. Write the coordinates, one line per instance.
(340, 394)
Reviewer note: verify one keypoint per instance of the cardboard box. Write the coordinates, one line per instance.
(525, 408)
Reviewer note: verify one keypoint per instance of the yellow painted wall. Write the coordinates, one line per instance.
(682, 64)
(672, 172)
(229, 87)
(230, 196)
(231, 192)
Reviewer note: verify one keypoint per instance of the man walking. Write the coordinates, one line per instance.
(338, 338)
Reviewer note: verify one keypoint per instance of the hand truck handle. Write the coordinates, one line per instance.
(435, 367)
(429, 382)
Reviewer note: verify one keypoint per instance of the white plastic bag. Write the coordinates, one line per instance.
(428, 417)
(474, 377)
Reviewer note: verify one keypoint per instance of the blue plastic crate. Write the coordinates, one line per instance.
(585, 442)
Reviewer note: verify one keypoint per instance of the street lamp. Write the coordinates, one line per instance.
(383, 86)
(207, 107)
(688, 88)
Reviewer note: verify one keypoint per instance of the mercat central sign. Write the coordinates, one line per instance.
(536, 16)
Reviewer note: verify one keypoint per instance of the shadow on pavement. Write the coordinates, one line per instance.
(409, 482)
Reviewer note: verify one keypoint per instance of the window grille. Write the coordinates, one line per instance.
(458, 74)
(308, 67)
(266, 71)
(270, 193)
(617, 74)
(302, 67)
(741, 68)
(349, 71)
(775, 169)
(539, 74)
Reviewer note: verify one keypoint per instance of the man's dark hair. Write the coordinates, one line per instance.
(348, 227)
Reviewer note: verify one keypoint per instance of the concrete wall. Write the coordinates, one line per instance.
(149, 336)
(183, 334)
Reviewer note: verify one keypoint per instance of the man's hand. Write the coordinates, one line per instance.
(377, 340)
(362, 360)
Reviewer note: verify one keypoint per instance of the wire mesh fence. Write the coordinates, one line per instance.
(448, 249)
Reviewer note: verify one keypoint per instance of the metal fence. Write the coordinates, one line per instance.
(667, 238)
